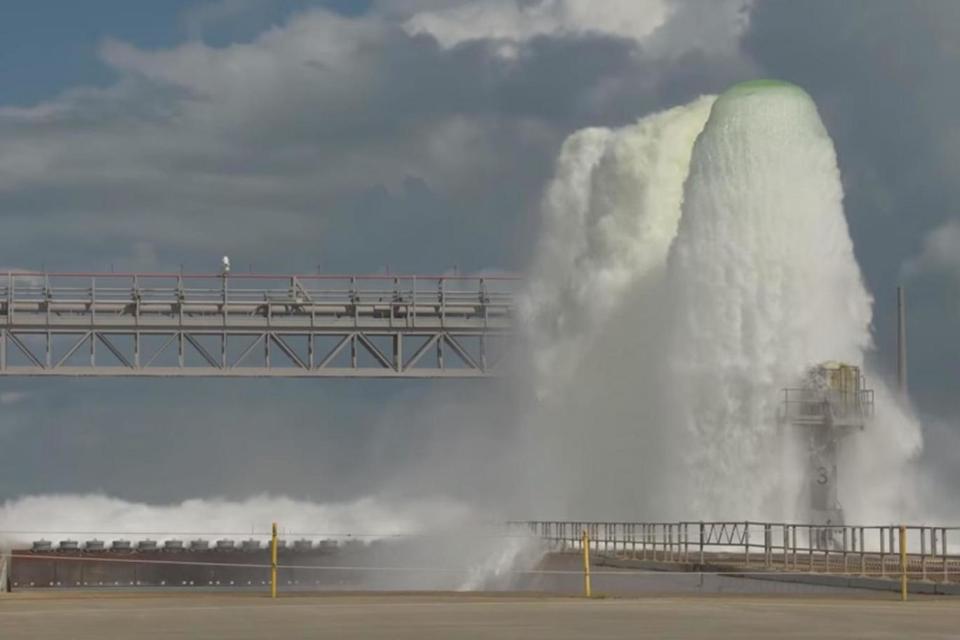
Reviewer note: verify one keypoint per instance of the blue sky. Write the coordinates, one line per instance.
(49, 45)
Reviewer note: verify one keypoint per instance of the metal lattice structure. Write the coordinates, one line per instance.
(249, 325)
(833, 404)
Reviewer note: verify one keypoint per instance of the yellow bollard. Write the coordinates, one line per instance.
(903, 563)
(273, 562)
(585, 542)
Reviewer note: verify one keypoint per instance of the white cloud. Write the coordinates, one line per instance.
(512, 20)
(663, 26)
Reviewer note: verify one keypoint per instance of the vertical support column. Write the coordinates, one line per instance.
(93, 322)
(746, 543)
(923, 552)
(585, 543)
(181, 298)
(903, 563)
(223, 336)
(828, 539)
(394, 302)
(398, 351)
(443, 303)
(268, 336)
(767, 545)
(10, 314)
(136, 322)
(47, 299)
(413, 315)
(702, 527)
(793, 534)
(483, 351)
(883, 557)
(311, 349)
(943, 548)
(863, 554)
(273, 561)
(845, 544)
(786, 544)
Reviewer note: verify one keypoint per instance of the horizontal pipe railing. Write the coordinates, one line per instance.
(843, 549)
(83, 293)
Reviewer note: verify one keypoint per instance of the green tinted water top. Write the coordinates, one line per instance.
(760, 84)
(732, 100)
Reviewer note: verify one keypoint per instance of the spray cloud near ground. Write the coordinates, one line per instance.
(208, 518)
(691, 267)
(419, 544)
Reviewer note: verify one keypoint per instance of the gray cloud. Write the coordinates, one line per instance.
(200, 148)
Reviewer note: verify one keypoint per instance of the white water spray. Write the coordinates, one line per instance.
(58, 517)
(610, 214)
(671, 407)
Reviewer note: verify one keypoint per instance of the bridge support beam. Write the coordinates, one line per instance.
(253, 325)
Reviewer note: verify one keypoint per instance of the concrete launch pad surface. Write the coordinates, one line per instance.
(99, 616)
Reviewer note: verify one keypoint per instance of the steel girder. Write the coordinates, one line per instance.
(253, 325)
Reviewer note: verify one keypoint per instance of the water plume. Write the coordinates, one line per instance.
(669, 395)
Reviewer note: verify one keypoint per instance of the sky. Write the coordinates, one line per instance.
(410, 136)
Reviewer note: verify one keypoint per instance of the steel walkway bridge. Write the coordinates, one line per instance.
(252, 325)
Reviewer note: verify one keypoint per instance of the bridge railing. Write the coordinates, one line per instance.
(81, 293)
(843, 549)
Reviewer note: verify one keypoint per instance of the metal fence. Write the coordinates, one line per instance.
(847, 549)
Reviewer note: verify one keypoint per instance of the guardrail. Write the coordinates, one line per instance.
(841, 549)
(63, 295)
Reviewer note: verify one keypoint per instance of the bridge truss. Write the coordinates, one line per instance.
(252, 325)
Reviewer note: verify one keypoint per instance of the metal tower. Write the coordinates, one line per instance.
(832, 403)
